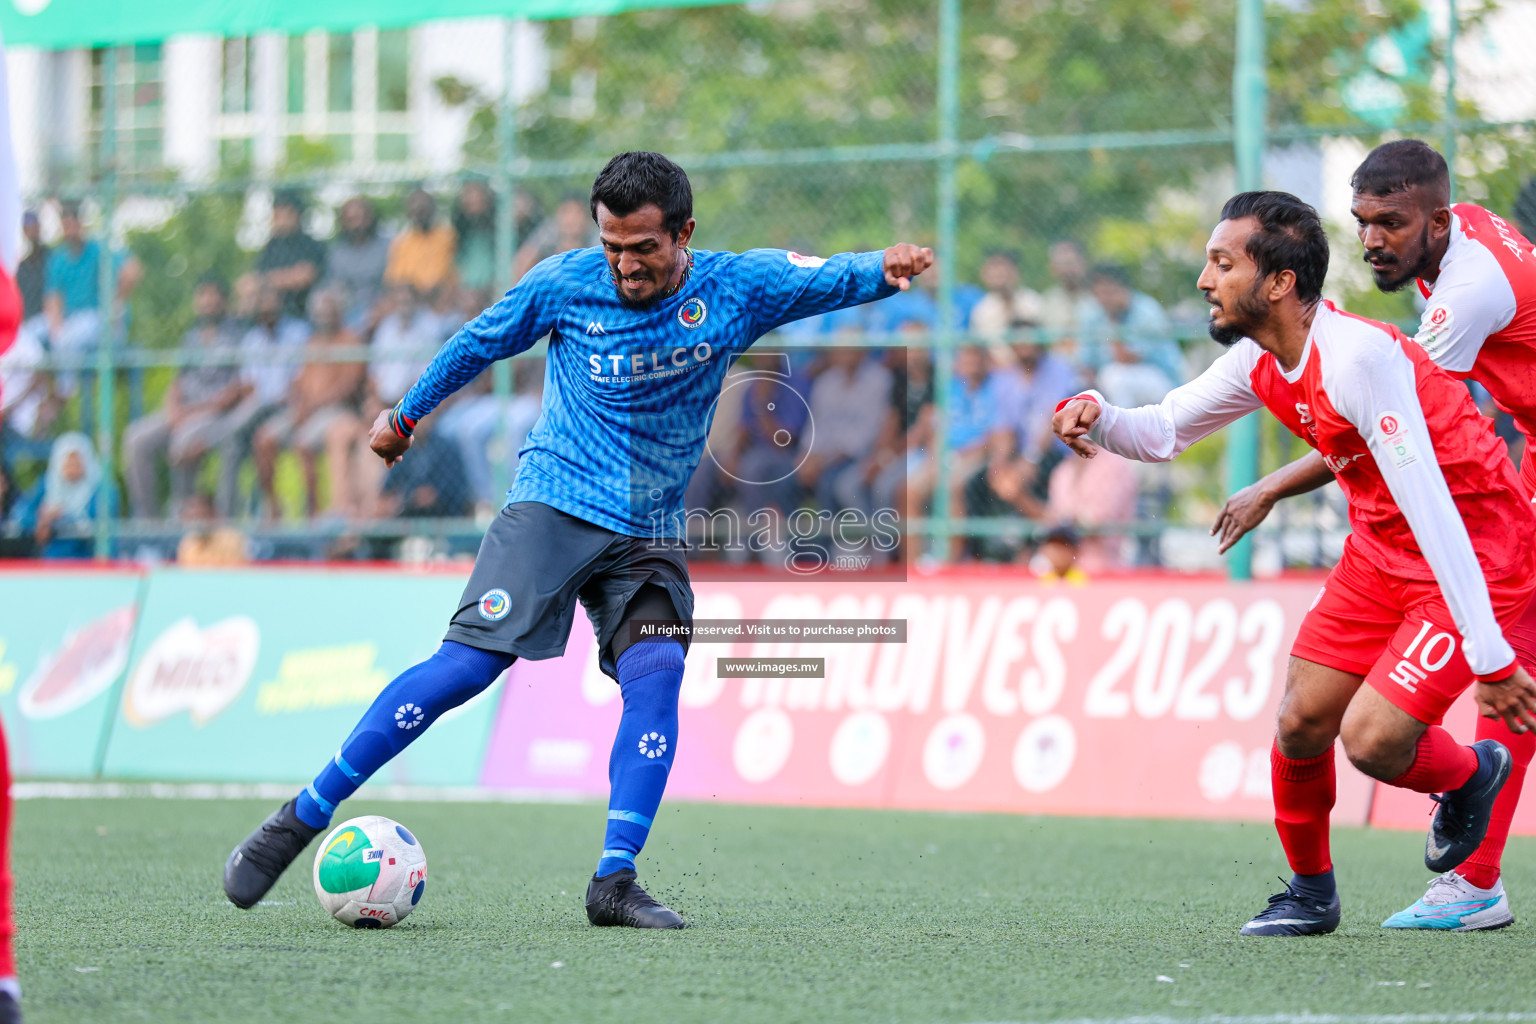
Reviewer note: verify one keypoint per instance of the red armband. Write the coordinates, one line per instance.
(1067, 401)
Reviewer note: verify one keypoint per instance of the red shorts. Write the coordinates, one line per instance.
(1398, 632)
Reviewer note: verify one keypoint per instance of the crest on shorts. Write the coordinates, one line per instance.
(692, 313)
(495, 604)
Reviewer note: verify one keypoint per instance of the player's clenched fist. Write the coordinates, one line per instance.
(1071, 424)
(387, 444)
(903, 262)
(1512, 699)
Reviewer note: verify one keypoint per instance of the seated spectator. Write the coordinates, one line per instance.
(773, 417)
(428, 485)
(569, 227)
(474, 223)
(1007, 306)
(62, 514)
(489, 430)
(291, 261)
(356, 258)
(269, 362)
(1022, 451)
(848, 402)
(1127, 341)
(199, 413)
(29, 405)
(204, 542)
(321, 414)
(421, 256)
(973, 415)
(1093, 493)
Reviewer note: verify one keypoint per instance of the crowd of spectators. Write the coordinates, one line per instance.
(285, 367)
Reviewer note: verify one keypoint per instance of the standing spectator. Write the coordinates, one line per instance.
(72, 496)
(72, 301)
(1128, 341)
(321, 413)
(268, 357)
(848, 403)
(973, 415)
(474, 223)
(32, 271)
(569, 227)
(356, 258)
(1062, 305)
(421, 255)
(291, 261)
(196, 416)
(1008, 305)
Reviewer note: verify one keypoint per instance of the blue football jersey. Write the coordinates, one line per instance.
(629, 394)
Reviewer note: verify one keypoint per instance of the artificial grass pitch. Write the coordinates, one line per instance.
(796, 914)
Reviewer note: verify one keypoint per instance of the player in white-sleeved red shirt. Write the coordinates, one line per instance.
(1477, 274)
(1440, 562)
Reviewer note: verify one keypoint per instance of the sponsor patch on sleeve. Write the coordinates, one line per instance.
(808, 262)
(1435, 328)
(1394, 435)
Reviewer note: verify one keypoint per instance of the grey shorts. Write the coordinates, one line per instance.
(536, 562)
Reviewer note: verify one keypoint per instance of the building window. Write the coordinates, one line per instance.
(139, 94)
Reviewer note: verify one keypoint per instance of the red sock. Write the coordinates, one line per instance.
(1304, 792)
(1440, 764)
(1482, 868)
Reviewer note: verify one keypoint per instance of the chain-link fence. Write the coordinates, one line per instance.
(213, 330)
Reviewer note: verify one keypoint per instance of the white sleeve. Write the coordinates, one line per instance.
(1464, 310)
(1376, 391)
(1158, 433)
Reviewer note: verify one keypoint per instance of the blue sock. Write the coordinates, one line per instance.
(650, 676)
(1315, 887)
(400, 713)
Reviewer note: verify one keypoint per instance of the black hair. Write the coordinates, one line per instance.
(214, 280)
(289, 197)
(1525, 208)
(1290, 237)
(1399, 166)
(1111, 272)
(632, 180)
(69, 208)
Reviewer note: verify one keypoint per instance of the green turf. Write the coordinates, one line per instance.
(798, 915)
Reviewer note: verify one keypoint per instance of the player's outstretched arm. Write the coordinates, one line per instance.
(1073, 420)
(1248, 507)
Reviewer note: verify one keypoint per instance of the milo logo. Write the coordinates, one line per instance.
(350, 862)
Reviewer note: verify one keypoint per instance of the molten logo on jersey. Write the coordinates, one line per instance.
(692, 313)
(494, 605)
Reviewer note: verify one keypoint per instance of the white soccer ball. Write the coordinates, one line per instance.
(370, 872)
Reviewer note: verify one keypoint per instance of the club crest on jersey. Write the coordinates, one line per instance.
(495, 604)
(692, 313)
(808, 262)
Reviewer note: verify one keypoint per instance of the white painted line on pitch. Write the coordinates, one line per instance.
(1301, 1018)
(278, 791)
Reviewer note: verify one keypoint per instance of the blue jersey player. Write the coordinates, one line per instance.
(642, 331)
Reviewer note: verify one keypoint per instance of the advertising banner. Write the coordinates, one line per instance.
(64, 642)
(1114, 698)
(258, 676)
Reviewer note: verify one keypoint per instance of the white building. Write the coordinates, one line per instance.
(364, 101)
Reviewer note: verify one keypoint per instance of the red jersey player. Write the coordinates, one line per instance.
(1478, 276)
(1439, 564)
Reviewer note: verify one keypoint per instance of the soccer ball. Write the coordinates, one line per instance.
(370, 872)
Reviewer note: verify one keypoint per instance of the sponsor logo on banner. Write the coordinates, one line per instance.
(199, 671)
(87, 662)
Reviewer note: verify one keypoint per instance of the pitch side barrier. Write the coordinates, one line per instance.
(1135, 696)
